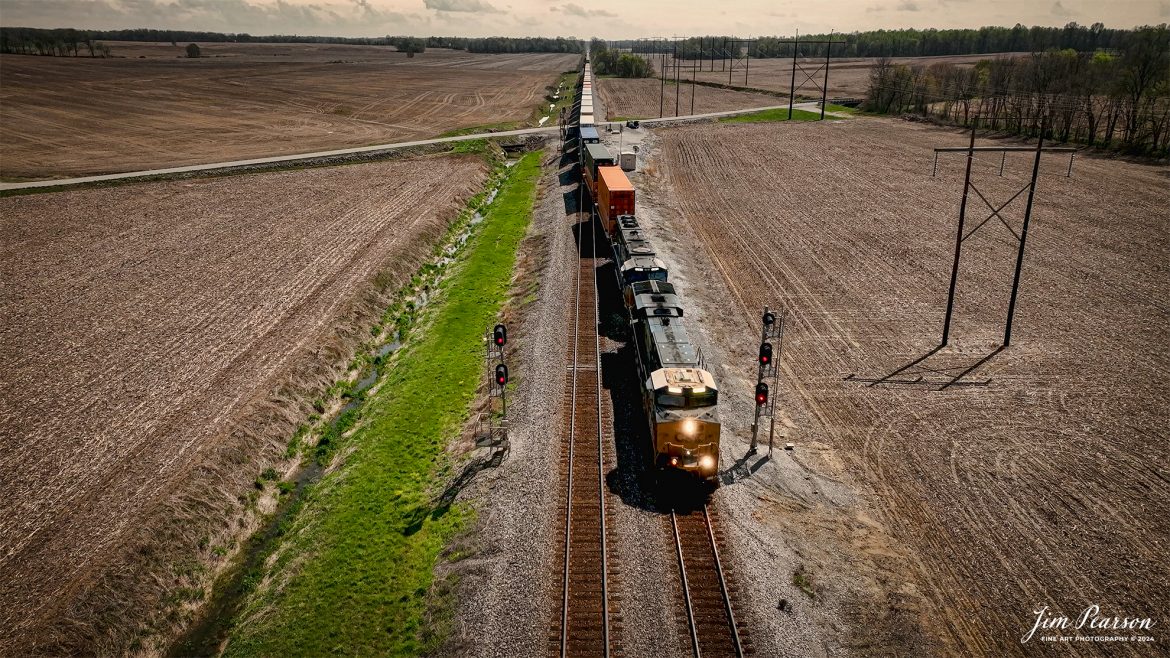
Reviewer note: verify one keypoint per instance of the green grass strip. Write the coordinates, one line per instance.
(773, 115)
(355, 577)
(840, 109)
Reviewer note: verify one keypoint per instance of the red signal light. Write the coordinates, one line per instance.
(501, 374)
(765, 353)
(500, 335)
(761, 394)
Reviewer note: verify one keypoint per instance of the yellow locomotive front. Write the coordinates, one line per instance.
(682, 405)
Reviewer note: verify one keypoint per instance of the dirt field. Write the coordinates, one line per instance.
(1039, 477)
(148, 108)
(159, 340)
(848, 77)
(638, 99)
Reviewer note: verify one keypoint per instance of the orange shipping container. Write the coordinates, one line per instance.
(615, 196)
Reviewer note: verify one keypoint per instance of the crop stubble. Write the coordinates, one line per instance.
(156, 337)
(1047, 486)
(65, 116)
(638, 98)
(848, 76)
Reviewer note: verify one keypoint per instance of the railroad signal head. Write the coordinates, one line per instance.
(501, 374)
(765, 353)
(769, 318)
(761, 394)
(500, 335)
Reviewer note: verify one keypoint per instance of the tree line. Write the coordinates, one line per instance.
(608, 61)
(58, 43)
(895, 43)
(71, 42)
(1115, 98)
(509, 45)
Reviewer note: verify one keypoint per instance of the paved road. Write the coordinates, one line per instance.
(280, 159)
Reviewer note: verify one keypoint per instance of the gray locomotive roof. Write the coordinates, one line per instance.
(598, 152)
(651, 304)
(672, 343)
(639, 248)
(633, 235)
(653, 287)
(646, 262)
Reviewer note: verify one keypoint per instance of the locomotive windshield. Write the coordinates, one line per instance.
(686, 398)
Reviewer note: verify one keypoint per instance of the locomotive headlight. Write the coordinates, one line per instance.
(689, 427)
(707, 462)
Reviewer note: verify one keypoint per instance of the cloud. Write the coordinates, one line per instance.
(1060, 11)
(908, 5)
(231, 16)
(574, 9)
(462, 6)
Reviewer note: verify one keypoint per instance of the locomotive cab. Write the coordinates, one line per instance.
(686, 420)
(643, 268)
(679, 395)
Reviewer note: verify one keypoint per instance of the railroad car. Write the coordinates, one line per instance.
(679, 396)
(634, 255)
(595, 156)
(589, 135)
(615, 197)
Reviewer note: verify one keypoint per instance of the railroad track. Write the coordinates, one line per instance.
(587, 605)
(705, 590)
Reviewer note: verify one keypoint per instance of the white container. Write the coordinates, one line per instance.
(629, 161)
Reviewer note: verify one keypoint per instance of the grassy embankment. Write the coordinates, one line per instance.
(355, 573)
(774, 115)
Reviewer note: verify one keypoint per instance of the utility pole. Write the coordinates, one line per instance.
(676, 80)
(792, 87)
(1020, 237)
(825, 89)
(662, 84)
(959, 240)
(694, 74)
(1007, 332)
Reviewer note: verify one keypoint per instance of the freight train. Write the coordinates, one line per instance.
(679, 396)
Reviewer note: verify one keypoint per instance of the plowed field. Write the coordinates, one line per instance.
(65, 116)
(848, 77)
(638, 98)
(1032, 476)
(155, 340)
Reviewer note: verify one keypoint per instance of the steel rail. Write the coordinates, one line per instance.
(569, 479)
(689, 596)
(577, 367)
(600, 439)
(723, 583)
(682, 570)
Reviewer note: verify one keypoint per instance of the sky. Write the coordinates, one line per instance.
(611, 19)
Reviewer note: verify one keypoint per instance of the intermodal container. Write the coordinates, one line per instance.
(596, 156)
(615, 196)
